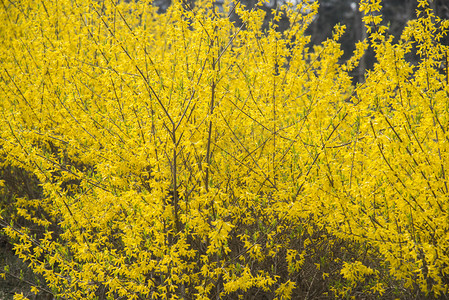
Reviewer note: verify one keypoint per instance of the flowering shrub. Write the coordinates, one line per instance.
(180, 156)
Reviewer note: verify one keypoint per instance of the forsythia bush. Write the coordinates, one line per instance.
(179, 156)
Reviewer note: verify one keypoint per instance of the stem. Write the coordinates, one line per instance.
(209, 137)
(175, 180)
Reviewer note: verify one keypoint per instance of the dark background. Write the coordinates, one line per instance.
(395, 13)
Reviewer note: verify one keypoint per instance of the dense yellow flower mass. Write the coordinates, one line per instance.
(180, 156)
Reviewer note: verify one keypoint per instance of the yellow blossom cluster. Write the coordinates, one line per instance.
(180, 156)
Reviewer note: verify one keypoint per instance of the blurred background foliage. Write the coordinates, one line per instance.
(396, 14)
